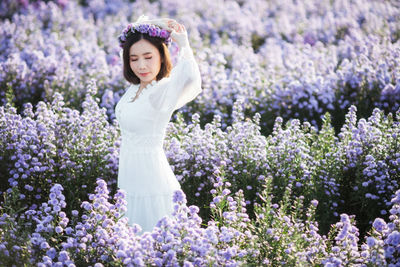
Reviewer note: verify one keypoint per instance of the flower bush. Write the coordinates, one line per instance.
(318, 164)
(305, 166)
(279, 235)
(56, 144)
(322, 58)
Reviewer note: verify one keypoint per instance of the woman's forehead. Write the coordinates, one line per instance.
(142, 47)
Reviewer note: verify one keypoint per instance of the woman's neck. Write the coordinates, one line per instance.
(144, 84)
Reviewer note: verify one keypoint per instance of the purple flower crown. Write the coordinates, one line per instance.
(149, 29)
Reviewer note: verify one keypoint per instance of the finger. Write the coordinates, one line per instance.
(181, 28)
(171, 24)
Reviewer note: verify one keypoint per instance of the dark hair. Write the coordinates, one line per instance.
(166, 64)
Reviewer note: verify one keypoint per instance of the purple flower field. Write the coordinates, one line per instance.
(289, 156)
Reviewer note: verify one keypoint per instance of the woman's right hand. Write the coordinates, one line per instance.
(173, 25)
(179, 35)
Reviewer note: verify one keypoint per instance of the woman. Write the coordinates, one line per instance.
(144, 111)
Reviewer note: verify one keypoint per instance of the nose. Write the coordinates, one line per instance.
(142, 64)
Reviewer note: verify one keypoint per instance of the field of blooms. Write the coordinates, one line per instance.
(289, 156)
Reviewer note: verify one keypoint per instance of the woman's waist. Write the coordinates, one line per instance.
(143, 140)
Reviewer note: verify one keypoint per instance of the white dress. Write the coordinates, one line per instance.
(144, 172)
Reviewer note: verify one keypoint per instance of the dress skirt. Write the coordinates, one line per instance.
(148, 180)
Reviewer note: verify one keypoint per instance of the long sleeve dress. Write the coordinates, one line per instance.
(144, 172)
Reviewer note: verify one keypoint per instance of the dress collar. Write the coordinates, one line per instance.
(150, 85)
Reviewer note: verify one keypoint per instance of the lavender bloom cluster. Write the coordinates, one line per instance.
(75, 149)
(49, 50)
(149, 29)
(98, 234)
(360, 165)
(383, 244)
(324, 57)
(56, 144)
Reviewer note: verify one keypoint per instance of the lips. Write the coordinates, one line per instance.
(144, 74)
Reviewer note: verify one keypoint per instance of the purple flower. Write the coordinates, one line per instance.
(379, 225)
(63, 256)
(68, 230)
(121, 254)
(179, 196)
(393, 238)
(371, 241)
(164, 33)
(44, 245)
(193, 209)
(344, 218)
(51, 253)
(314, 202)
(396, 199)
(149, 29)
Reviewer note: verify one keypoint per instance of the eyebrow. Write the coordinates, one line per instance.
(147, 53)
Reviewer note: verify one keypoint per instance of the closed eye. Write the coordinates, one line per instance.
(145, 58)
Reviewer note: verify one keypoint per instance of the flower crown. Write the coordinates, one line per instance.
(149, 29)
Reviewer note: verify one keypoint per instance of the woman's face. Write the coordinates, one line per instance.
(145, 61)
